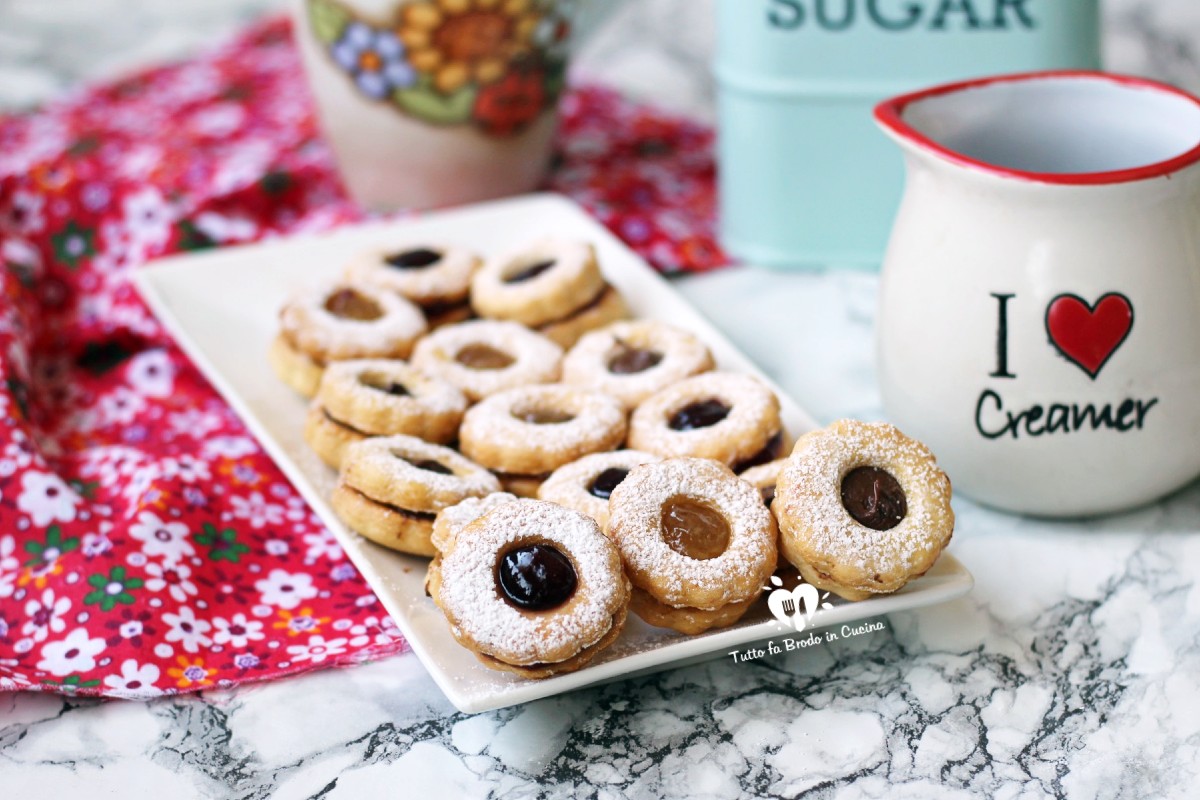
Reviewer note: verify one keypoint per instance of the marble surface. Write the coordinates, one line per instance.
(1072, 670)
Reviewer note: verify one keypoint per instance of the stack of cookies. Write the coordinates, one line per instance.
(563, 465)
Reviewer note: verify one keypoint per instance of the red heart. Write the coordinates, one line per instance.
(1089, 335)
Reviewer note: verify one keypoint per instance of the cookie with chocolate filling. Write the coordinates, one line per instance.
(483, 357)
(437, 277)
(586, 485)
(391, 489)
(633, 360)
(525, 434)
(726, 416)
(531, 588)
(862, 509)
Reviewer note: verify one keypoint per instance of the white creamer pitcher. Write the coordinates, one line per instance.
(1039, 322)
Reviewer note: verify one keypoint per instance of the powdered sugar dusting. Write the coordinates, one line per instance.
(682, 355)
(536, 359)
(570, 484)
(473, 603)
(635, 522)
(388, 456)
(752, 420)
(426, 394)
(319, 333)
(446, 280)
(454, 518)
(598, 423)
(809, 506)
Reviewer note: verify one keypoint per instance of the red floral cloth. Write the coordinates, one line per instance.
(147, 544)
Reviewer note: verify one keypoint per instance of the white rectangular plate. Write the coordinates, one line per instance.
(222, 306)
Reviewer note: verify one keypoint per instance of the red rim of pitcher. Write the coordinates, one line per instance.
(890, 114)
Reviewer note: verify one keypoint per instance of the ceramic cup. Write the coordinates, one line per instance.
(1039, 320)
(437, 102)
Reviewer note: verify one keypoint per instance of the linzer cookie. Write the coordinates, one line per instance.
(697, 542)
(391, 489)
(338, 322)
(554, 285)
(633, 360)
(376, 397)
(381, 397)
(531, 588)
(452, 519)
(483, 357)
(724, 416)
(586, 485)
(862, 509)
(525, 434)
(436, 277)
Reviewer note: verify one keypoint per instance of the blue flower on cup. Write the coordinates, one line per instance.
(375, 58)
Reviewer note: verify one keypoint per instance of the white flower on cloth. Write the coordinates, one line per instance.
(74, 654)
(111, 465)
(191, 633)
(17, 454)
(322, 544)
(173, 578)
(8, 565)
(237, 631)
(225, 229)
(381, 631)
(231, 447)
(134, 681)
(160, 538)
(46, 498)
(46, 615)
(188, 469)
(256, 510)
(147, 218)
(151, 373)
(23, 213)
(197, 424)
(120, 407)
(317, 650)
(285, 589)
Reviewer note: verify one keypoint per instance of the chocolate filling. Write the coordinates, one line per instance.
(694, 529)
(771, 451)
(543, 416)
(631, 360)
(413, 259)
(583, 309)
(404, 512)
(483, 356)
(382, 384)
(768, 495)
(517, 476)
(530, 272)
(604, 483)
(536, 577)
(349, 304)
(437, 308)
(345, 425)
(429, 465)
(701, 414)
(874, 498)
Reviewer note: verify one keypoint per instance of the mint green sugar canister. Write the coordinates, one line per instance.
(805, 176)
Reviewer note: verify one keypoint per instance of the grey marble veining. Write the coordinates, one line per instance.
(1072, 670)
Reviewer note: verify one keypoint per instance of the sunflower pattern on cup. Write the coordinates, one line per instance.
(494, 64)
